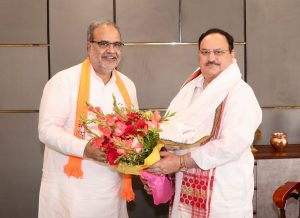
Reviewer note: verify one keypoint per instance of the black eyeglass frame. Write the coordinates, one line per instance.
(106, 44)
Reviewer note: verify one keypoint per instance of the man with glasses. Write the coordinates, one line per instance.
(76, 181)
(216, 117)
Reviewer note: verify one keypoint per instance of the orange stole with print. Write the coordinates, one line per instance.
(73, 167)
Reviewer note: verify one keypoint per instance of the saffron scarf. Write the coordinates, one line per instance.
(73, 167)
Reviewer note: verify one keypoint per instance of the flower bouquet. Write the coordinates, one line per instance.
(129, 137)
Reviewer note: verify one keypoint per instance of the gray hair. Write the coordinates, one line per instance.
(96, 24)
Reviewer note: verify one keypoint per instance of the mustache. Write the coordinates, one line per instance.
(110, 55)
(212, 63)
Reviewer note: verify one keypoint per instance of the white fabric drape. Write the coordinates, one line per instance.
(230, 154)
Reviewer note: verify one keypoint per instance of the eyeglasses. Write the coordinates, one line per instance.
(106, 44)
(217, 52)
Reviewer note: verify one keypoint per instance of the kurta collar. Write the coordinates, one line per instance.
(198, 82)
(94, 75)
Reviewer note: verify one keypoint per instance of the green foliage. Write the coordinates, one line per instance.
(149, 141)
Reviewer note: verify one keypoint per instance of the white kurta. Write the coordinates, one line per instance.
(230, 154)
(97, 194)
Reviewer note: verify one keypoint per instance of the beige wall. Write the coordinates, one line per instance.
(41, 37)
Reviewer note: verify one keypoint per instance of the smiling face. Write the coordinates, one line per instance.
(104, 59)
(214, 56)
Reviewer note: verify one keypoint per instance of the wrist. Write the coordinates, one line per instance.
(182, 163)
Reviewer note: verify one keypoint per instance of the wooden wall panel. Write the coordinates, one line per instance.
(200, 15)
(21, 165)
(23, 74)
(69, 21)
(23, 22)
(273, 51)
(148, 20)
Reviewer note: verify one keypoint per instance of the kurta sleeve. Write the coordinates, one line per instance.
(241, 118)
(55, 108)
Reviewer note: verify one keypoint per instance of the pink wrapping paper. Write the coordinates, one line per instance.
(161, 186)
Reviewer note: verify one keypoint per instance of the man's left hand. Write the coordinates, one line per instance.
(94, 153)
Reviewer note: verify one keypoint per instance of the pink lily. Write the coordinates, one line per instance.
(136, 145)
(120, 129)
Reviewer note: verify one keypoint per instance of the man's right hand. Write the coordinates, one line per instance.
(91, 152)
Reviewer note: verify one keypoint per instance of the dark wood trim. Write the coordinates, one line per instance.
(18, 111)
(267, 152)
(245, 40)
(180, 21)
(48, 40)
(114, 11)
